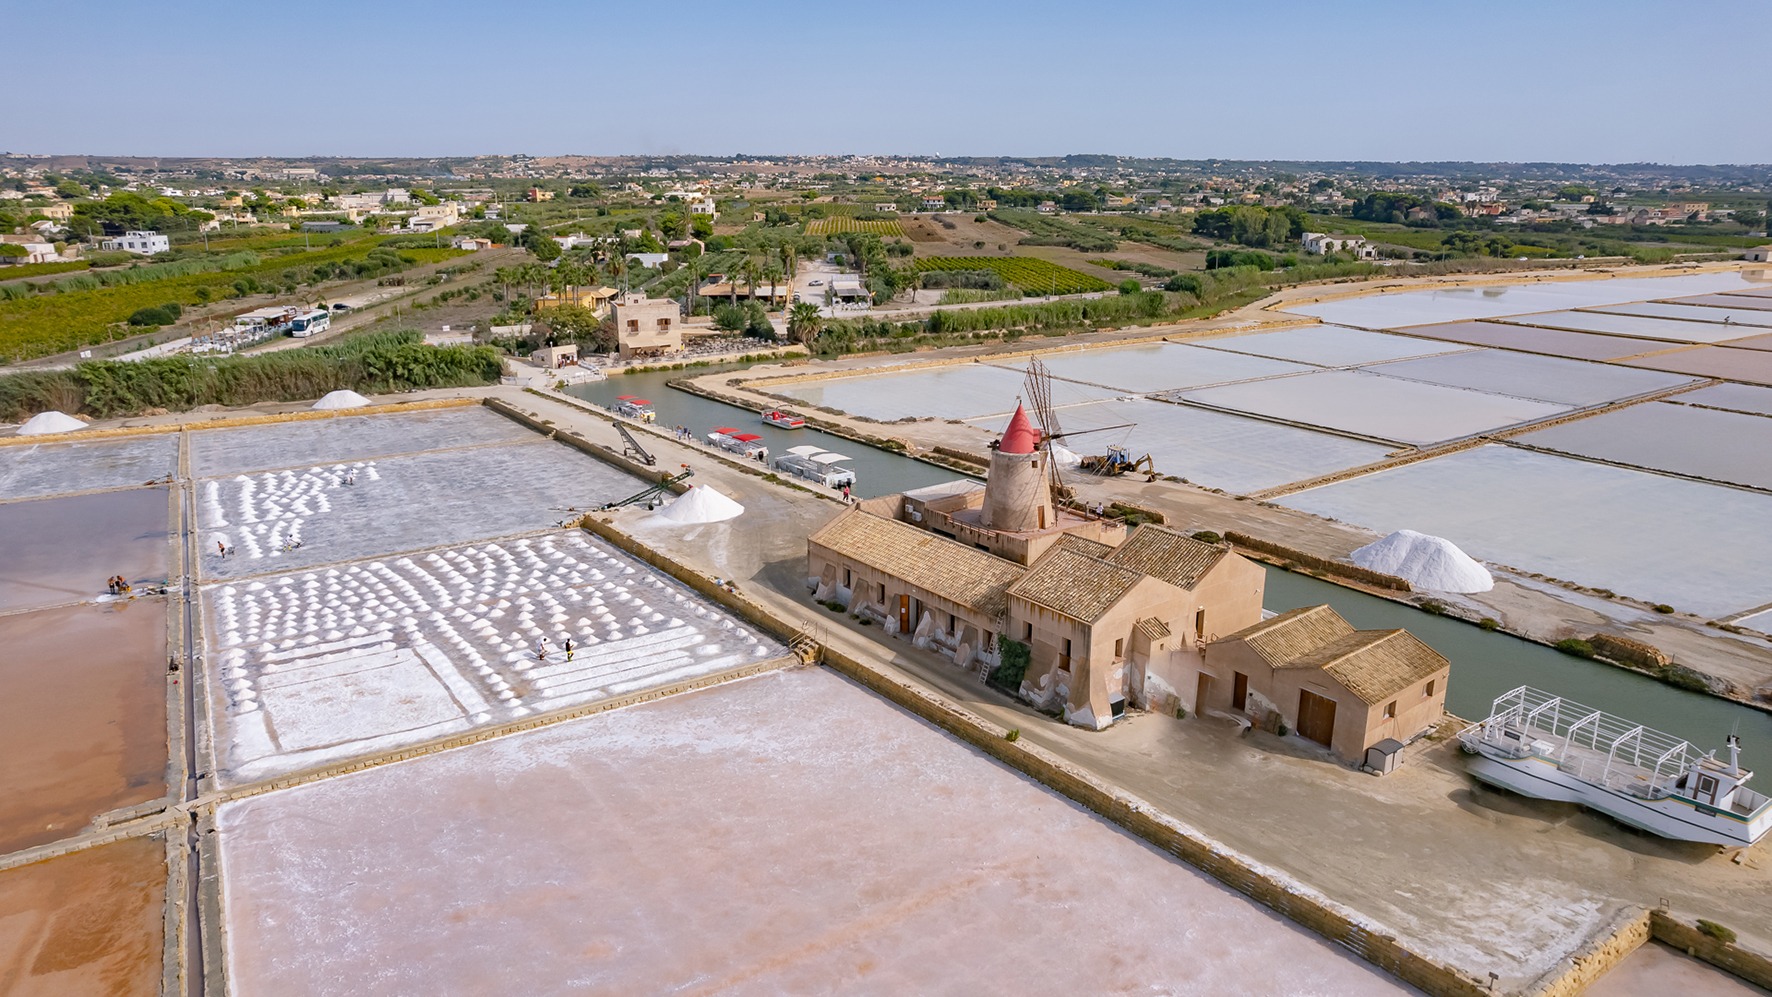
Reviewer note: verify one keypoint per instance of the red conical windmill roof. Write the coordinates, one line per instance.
(1022, 436)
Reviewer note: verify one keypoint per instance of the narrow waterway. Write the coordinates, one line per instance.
(877, 472)
(1485, 665)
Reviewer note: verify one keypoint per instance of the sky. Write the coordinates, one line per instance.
(1549, 80)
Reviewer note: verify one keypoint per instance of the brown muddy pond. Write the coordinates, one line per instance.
(85, 923)
(61, 550)
(83, 720)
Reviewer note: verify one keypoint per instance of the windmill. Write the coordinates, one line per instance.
(1039, 389)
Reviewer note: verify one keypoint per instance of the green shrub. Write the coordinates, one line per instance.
(160, 315)
(1576, 646)
(1012, 735)
(1208, 537)
(1013, 664)
(1662, 607)
(1717, 931)
(1433, 606)
(1489, 623)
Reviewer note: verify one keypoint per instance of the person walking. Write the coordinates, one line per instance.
(569, 649)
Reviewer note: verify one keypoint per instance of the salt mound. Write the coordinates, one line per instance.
(1426, 562)
(342, 399)
(1065, 456)
(701, 504)
(44, 423)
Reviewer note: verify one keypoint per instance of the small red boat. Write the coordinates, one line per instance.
(782, 420)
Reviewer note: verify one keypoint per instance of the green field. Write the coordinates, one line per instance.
(44, 323)
(21, 270)
(1032, 276)
(844, 224)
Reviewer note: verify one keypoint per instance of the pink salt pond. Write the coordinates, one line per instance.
(788, 833)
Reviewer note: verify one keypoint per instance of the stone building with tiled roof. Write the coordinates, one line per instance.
(1311, 671)
(1103, 619)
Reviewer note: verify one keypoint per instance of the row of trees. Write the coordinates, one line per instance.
(1249, 225)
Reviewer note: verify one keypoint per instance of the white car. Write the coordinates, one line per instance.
(815, 283)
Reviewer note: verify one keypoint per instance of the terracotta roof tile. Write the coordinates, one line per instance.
(953, 571)
(1075, 585)
(1174, 557)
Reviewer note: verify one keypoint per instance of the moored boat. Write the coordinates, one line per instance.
(816, 464)
(1541, 745)
(634, 407)
(747, 445)
(782, 420)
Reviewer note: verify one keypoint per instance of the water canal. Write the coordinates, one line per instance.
(1484, 664)
(877, 472)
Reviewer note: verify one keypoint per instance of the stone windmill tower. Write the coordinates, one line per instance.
(1018, 493)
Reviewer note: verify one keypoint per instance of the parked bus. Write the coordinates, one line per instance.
(308, 323)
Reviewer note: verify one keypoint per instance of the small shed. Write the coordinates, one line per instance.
(555, 357)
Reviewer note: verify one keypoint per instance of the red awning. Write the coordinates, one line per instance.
(631, 400)
(724, 429)
(747, 437)
(623, 398)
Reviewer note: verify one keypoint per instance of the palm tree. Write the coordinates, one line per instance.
(803, 322)
(772, 273)
(750, 271)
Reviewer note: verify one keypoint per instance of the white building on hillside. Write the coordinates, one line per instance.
(140, 243)
(1321, 244)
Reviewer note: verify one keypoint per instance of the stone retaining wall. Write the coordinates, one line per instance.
(1731, 957)
(230, 422)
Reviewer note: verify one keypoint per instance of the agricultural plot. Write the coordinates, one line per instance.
(1670, 330)
(1329, 346)
(1562, 517)
(960, 391)
(1522, 375)
(1158, 367)
(1552, 342)
(1213, 449)
(1691, 313)
(722, 842)
(36, 470)
(1033, 276)
(1375, 406)
(323, 665)
(1703, 443)
(844, 224)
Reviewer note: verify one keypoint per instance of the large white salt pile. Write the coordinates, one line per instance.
(701, 504)
(342, 399)
(44, 423)
(1431, 563)
(1065, 456)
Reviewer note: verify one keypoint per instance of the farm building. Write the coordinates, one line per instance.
(1320, 244)
(1310, 670)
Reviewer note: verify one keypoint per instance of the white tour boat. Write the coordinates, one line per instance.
(816, 464)
(634, 407)
(1541, 745)
(782, 420)
(747, 445)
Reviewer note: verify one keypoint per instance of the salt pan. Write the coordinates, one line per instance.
(1431, 563)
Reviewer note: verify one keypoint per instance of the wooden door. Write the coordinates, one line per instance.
(1316, 717)
(904, 614)
(1203, 693)
(1239, 691)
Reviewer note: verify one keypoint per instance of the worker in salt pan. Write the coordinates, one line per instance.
(569, 649)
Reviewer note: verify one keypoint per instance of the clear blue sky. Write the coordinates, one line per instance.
(1562, 80)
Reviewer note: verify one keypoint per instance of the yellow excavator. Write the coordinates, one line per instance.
(1118, 461)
